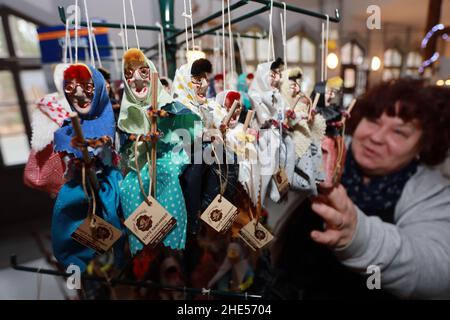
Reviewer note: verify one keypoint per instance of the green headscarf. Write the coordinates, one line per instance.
(133, 113)
(133, 119)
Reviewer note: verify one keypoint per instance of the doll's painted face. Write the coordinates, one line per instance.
(275, 78)
(294, 88)
(331, 96)
(218, 85)
(137, 75)
(200, 86)
(79, 88)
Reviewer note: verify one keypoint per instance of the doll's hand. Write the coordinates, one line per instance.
(76, 143)
(340, 216)
(223, 128)
(290, 114)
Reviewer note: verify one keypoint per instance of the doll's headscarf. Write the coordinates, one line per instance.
(133, 113)
(183, 89)
(261, 83)
(97, 123)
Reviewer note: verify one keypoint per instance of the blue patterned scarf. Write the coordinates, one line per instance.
(380, 196)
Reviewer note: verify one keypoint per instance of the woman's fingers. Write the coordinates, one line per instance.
(329, 237)
(329, 214)
(337, 198)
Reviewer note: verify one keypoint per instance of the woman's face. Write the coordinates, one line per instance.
(385, 145)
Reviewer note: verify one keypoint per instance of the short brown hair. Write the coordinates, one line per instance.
(411, 100)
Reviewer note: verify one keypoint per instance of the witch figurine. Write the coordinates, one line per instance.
(80, 199)
(45, 169)
(276, 152)
(208, 174)
(307, 130)
(331, 109)
(172, 159)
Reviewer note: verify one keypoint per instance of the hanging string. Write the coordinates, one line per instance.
(271, 48)
(217, 64)
(322, 74)
(326, 46)
(163, 46)
(222, 184)
(67, 44)
(223, 45)
(192, 24)
(121, 35)
(64, 55)
(76, 31)
(283, 34)
(125, 23)
(134, 23)
(91, 49)
(96, 48)
(230, 37)
(186, 27)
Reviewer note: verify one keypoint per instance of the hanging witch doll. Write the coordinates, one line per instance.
(307, 130)
(204, 179)
(135, 120)
(86, 213)
(275, 146)
(331, 109)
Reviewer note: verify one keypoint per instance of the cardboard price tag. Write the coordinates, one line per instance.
(256, 237)
(281, 181)
(150, 223)
(220, 214)
(101, 238)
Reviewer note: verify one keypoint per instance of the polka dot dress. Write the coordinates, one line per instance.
(168, 194)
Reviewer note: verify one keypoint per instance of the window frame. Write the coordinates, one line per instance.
(399, 67)
(15, 65)
(358, 68)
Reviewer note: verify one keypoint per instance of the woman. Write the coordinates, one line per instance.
(391, 210)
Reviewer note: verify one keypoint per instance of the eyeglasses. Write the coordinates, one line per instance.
(197, 80)
(71, 87)
(144, 72)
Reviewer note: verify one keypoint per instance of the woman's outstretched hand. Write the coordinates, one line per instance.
(340, 216)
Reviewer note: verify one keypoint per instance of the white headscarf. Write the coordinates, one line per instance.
(50, 112)
(265, 99)
(183, 91)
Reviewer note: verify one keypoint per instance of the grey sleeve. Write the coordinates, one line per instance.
(413, 255)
